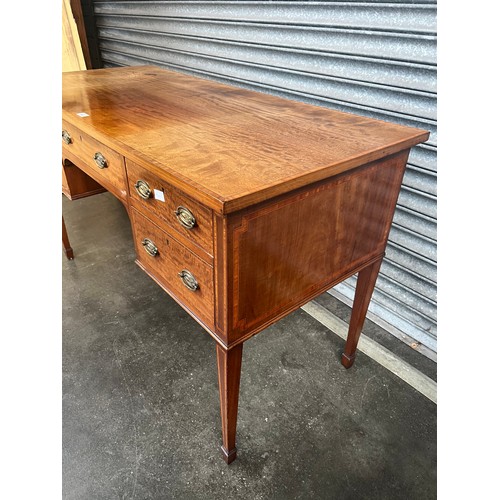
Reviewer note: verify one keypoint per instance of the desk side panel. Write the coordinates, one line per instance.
(285, 252)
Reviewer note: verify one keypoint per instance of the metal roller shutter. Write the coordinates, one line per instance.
(372, 58)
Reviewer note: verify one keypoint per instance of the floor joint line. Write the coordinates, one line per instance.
(415, 378)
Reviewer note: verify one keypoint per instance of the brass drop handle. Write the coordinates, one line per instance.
(143, 189)
(100, 160)
(150, 247)
(185, 217)
(189, 280)
(66, 137)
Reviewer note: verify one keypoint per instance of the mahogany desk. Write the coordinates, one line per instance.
(243, 206)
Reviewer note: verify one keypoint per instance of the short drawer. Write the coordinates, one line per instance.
(184, 275)
(97, 160)
(180, 212)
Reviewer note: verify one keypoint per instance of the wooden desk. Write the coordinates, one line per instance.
(243, 206)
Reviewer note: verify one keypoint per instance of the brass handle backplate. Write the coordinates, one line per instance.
(143, 189)
(185, 217)
(189, 280)
(100, 160)
(66, 137)
(150, 247)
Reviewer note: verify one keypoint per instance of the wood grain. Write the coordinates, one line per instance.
(289, 198)
(72, 53)
(81, 152)
(76, 9)
(365, 284)
(201, 234)
(226, 147)
(173, 257)
(285, 252)
(229, 374)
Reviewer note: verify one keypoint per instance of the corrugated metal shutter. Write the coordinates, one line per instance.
(371, 58)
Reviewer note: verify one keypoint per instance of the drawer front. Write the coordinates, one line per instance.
(99, 161)
(179, 271)
(181, 213)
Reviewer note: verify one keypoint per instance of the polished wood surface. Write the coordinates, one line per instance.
(164, 205)
(229, 374)
(280, 200)
(284, 253)
(364, 289)
(81, 152)
(227, 147)
(173, 258)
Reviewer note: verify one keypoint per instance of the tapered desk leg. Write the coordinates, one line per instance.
(229, 370)
(364, 289)
(65, 240)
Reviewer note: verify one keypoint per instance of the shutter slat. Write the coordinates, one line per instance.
(376, 59)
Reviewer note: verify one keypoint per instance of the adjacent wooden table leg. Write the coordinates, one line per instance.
(364, 289)
(229, 370)
(66, 245)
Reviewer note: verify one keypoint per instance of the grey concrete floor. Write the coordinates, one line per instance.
(140, 397)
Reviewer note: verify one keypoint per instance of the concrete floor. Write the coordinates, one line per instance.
(141, 407)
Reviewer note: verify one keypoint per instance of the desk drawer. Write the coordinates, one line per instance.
(180, 212)
(184, 275)
(97, 160)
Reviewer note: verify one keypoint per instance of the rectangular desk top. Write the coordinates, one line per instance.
(239, 179)
(227, 147)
